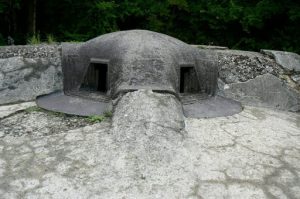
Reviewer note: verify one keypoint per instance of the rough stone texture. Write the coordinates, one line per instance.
(296, 78)
(159, 112)
(31, 51)
(254, 154)
(11, 109)
(288, 60)
(138, 59)
(23, 78)
(124, 61)
(28, 71)
(255, 79)
(240, 66)
(36, 122)
(265, 90)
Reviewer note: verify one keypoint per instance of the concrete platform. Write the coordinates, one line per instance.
(216, 106)
(74, 105)
(253, 154)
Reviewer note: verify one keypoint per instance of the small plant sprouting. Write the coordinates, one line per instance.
(99, 118)
(91, 119)
(34, 39)
(38, 109)
(108, 114)
(32, 109)
(96, 118)
(50, 39)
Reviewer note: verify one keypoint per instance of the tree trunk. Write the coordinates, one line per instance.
(11, 18)
(31, 28)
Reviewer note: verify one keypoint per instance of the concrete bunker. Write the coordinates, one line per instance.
(102, 69)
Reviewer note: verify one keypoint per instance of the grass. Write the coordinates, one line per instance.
(108, 114)
(33, 109)
(38, 109)
(91, 119)
(96, 118)
(50, 39)
(99, 118)
(34, 39)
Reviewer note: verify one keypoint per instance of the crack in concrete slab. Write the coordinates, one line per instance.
(237, 156)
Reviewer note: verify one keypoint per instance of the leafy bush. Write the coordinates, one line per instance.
(249, 25)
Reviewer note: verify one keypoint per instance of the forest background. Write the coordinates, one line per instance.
(237, 24)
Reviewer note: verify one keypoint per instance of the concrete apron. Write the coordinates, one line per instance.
(253, 154)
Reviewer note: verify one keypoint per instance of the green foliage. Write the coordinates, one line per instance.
(250, 25)
(104, 17)
(33, 109)
(2, 7)
(99, 118)
(108, 114)
(38, 109)
(34, 39)
(50, 39)
(56, 114)
(91, 119)
(96, 118)
(6, 6)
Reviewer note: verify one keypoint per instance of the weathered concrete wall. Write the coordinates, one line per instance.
(29, 71)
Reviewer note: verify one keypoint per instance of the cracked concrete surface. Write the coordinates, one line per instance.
(253, 154)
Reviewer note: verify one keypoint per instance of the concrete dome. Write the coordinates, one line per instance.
(138, 59)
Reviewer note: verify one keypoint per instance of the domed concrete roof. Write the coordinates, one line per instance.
(139, 59)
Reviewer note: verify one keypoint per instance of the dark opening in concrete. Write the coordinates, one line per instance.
(188, 80)
(96, 78)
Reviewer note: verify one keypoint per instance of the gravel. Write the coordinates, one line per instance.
(241, 68)
(40, 123)
(31, 51)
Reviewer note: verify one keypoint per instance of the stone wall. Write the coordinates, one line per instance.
(258, 79)
(29, 71)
